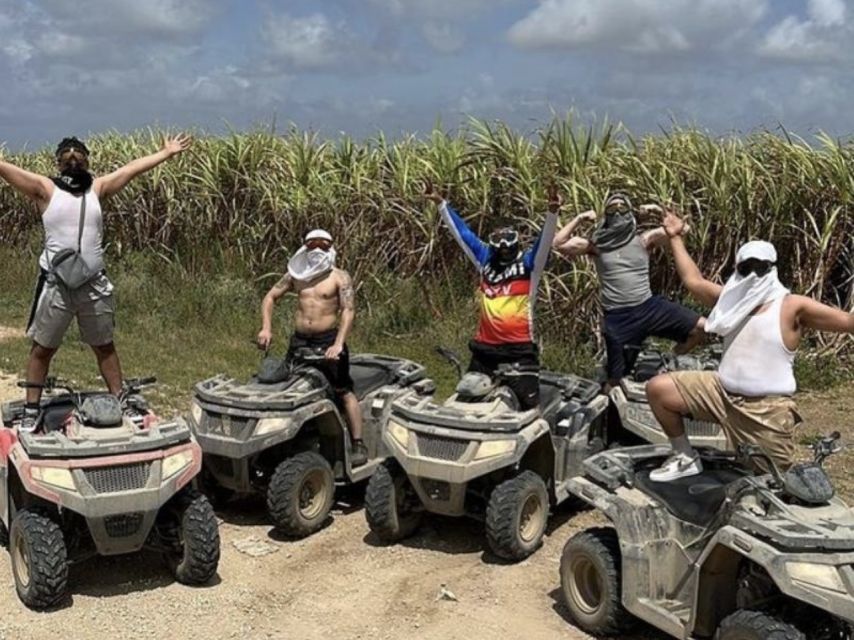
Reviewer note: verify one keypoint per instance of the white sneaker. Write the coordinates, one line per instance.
(677, 466)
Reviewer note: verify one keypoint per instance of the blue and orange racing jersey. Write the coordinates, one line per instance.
(508, 292)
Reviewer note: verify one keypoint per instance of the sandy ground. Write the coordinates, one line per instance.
(337, 584)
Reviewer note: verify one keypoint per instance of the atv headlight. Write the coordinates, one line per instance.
(54, 476)
(197, 412)
(269, 425)
(175, 463)
(399, 433)
(492, 448)
(824, 576)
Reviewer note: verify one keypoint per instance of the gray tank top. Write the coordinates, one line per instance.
(624, 275)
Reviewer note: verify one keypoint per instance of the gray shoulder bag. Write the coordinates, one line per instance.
(68, 265)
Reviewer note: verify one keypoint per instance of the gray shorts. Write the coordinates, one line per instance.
(92, 304)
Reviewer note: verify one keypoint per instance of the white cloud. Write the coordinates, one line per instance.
(443, 37)
(435, 8)
(309, 42)
(641, 26)
(824, 36)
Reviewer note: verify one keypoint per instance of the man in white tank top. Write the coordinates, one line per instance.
(751, 395)
(60, 201)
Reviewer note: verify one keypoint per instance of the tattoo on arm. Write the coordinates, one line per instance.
(346, 293)
(284, 285)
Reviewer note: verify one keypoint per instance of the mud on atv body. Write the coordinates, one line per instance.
(486, 460)
(289, 440)
(630, 407)
(728, 553)
(81, 485)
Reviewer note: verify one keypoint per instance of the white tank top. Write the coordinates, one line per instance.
(61, 222)
(756, 362)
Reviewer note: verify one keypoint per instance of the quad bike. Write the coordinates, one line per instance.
(284, 435)
(733, 553)
(630, 410)
(478, 455)
(99, 476)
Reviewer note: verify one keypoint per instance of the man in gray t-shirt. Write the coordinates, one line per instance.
(631, 312)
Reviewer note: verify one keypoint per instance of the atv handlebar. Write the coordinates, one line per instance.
(451, 356)
(826, 446)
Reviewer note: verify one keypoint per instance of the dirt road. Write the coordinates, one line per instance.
(337, 584)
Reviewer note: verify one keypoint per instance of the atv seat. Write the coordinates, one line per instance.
(550, 397)
(368, 378)
(696, 499)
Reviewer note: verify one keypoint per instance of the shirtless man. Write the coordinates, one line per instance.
(632, 312)
(751, 394)
(325, 294)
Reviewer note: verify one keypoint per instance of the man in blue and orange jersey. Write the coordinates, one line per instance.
(509, 278)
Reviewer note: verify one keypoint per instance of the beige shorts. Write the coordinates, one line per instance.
(92, 304)
(766, 421)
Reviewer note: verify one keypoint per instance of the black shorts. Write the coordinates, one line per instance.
(657, 317)
(337, 372)
(485, 358)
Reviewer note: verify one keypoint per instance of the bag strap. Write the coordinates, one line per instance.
(82, 219)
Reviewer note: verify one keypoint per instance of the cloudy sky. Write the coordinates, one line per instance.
(398, 65)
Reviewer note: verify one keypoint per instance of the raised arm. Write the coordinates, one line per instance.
(704, 291)
(347, 302)
(813, 314)
(265, 336)
(566, 243)
(475, 248)
(537, 256)
(37, 188)
(114, 182)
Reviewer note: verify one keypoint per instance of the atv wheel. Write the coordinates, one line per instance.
(39, 559)
(590, 579)
(756, 625)
(392, 507)
(4, 535)
(195, 538)
(300, 494)
(516, 516)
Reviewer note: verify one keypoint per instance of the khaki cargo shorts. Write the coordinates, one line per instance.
(765, 421)
(92, 304)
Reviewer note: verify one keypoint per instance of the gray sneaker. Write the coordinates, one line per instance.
(29, 421)
(358, 454)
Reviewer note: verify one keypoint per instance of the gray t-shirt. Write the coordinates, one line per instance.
(624, 275)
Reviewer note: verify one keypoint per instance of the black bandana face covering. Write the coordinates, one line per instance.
(74, 180)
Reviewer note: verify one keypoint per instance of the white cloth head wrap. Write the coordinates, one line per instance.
(742, 295)
(307, 264)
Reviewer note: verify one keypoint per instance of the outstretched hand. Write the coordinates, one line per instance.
(673, 224)
(555, 199)
(430, 193)
(177, 144)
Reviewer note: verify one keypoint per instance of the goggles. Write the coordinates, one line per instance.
(503, 238)
(753, 265)
(318, 243)
(617, 206)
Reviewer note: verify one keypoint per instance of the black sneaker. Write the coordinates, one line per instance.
(358, 453)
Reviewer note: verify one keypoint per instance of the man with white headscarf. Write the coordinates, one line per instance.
(326, 309)
(750, 395)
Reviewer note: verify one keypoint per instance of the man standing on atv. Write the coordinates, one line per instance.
(326, 309)
(631, 312)
(70, 209)
(509, 278)
(750, 395)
